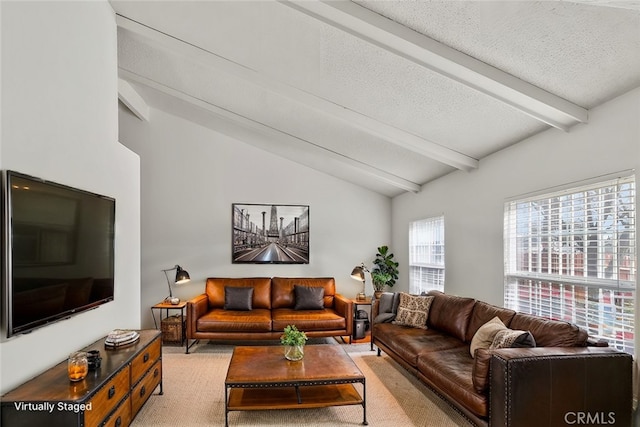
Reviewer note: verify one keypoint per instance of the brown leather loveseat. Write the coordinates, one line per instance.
(549, 376)
(259, 308)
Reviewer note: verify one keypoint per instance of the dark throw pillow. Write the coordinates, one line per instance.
(308, 297)
(389, 302)
(237, 298)
(384, 318)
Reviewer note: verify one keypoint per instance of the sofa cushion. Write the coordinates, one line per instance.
(450, 314)
(308, 297)
(308, 320)
(480, 373)
(409, 342)
(214, 289)
(550, 333)
(413, 311)
(237, 298)
(483, 312)
(282, 290)
(510, 338)
(220, 320)
(451, 372)
(485, 335)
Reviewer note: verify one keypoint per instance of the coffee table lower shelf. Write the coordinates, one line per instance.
(293, 397)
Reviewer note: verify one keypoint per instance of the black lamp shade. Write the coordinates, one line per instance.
(182, 276)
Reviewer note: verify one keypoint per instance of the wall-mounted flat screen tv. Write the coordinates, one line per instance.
(58, 251)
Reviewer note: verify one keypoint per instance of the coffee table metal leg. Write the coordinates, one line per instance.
(226, 406)
(298, 395)
(364, 403)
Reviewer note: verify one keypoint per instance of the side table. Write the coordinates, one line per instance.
(356, 303)
(167, 306)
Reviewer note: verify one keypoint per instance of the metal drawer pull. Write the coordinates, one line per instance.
(118, 422)
(146, 357)
(112, 392)
(143, 391)
(156, 372)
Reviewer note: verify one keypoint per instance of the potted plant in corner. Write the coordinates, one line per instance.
(293, 341)
(380, 280)
(385, 272)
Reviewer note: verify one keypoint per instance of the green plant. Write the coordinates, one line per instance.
(292, 336)
(380, 280)
(386, 269)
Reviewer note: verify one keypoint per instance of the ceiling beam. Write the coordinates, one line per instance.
(134, 102)
(435, 56)
(240, 125)
(364, 123)
(620, 4)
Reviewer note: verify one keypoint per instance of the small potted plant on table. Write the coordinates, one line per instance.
(293, 341)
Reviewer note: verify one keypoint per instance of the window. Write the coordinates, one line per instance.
(426, 255)
(571, 256)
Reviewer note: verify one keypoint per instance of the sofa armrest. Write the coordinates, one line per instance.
(560, 386)
(196, 308)
(344, 307)
(375, 308)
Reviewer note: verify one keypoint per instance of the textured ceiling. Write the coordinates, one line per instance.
(360, 90)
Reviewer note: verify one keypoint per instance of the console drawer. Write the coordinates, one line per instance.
(108, 397)
(142, 362)
(144, 388)
(122, 416)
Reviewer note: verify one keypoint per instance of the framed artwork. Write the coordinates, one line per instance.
(270, 234)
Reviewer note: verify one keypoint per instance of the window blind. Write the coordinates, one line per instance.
(426, 255)
(571, 255)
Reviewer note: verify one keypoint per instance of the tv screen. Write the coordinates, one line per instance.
(58, 251)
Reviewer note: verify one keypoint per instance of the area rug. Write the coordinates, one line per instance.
(193, 386)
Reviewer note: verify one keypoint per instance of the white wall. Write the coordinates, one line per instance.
(473, 203)
(60, 122)
(190, 176)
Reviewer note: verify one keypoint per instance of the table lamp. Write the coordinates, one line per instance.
(182, 276)
(358, 274)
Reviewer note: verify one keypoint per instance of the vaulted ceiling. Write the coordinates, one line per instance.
(388, 95)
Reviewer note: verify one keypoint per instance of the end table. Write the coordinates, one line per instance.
(356, 303)
(167, 306)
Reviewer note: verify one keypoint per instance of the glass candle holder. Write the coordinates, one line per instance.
(78, 366)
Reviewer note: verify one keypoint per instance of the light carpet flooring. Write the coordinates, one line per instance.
(193, 386)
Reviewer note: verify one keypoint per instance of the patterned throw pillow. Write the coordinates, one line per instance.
(413, 311)
(509, 338)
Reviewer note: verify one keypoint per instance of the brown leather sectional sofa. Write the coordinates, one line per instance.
(272, 307)
(562, 381)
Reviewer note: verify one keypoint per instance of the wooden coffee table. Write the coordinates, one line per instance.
(260, 378)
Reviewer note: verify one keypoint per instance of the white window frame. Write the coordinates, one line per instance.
(571, 255)
(426, 255)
